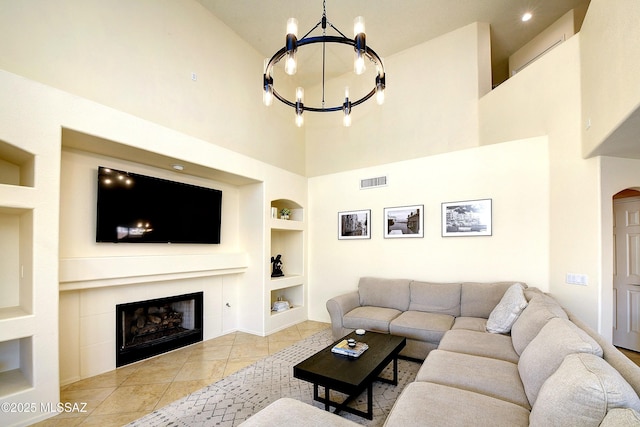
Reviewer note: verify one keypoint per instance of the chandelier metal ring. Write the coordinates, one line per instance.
(370, 53)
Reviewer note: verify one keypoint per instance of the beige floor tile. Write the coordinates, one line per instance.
(89, 400)
(106, 380)
(244, 338)
(220, 352)
(223, 340)
(58, 421)
(242, 351)
(171, 358)
(154, 374)
(289, 334)
(135, 398)
(131, 392)
(201, 370)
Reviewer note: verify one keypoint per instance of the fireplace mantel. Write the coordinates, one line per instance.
(97, 272)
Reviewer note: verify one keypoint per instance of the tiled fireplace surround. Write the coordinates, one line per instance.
(90, 289)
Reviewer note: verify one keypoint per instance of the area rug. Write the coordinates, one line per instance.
(235, 398)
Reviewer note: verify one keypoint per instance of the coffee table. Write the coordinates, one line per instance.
(349, 375)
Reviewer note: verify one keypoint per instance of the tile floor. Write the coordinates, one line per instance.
(118, 397)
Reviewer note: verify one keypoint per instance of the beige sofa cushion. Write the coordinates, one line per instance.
(472, 323)
(370, 318)
(542, 357)
(540, 310)
(388, 293)
(443, 298)
(429, 404)
(504, 315)
(421, 326)
(480, 344)
(290, 412)
(479, 299)
(581, 392)
(621, 417)
(493, 377)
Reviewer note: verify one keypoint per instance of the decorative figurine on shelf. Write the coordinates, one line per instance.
(284, 213)
(277, 266)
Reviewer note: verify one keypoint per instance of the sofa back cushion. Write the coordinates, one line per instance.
(540, 310)
(443, 298)
(479, 299)
(545, 353)
(581, 392)
(388, 293)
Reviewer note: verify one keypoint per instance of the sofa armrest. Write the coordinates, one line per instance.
(338, 307)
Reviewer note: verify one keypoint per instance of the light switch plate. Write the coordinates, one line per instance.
(577, 279)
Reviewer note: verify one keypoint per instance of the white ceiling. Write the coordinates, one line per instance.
(393, 26)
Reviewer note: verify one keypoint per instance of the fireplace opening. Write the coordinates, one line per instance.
(148, 328)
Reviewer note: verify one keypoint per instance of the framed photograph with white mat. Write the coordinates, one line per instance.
(404, 221)
(354, 225)
(467, 218)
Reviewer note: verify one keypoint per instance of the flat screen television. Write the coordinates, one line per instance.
(135, 208)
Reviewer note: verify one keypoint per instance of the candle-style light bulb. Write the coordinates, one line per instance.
(346, 109)
(359, 35)
(291, 63)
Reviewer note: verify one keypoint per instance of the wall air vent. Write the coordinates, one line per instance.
(380, 181)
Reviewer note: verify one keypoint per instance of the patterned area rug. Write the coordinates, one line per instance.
(235, 398)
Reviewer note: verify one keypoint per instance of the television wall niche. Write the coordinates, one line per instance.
(134, 208)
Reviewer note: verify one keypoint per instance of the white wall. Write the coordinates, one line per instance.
(431, 107)
(138, 57)
(556, 33)
(610, 59)
(515, 175)
(545, 99)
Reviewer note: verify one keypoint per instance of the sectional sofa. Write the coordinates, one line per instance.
(495, 354)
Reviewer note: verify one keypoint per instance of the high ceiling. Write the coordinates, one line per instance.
(394, 26)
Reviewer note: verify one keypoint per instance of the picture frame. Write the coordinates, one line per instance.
(404, 222)
(354, 225)
(467, 218)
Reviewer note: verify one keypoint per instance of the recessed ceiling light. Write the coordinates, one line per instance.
(178, 167)
(527, 16)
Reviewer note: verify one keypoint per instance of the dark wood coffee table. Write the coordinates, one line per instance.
(351, 376)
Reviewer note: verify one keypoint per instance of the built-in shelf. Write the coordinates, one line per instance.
(19, 334)
(297, 212)
(281, 224)
(288, 243)
(285, 282)
(16, 360)
(16, 166)
(287, 239)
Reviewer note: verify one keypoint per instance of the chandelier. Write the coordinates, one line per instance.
(289, 54)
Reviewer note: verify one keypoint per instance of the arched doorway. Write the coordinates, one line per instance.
(626, 269)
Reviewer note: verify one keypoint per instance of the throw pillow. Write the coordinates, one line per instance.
(507, 311)
(580, 393)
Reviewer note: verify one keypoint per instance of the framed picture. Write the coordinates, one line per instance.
(467, 218)
(354, 225)
(404, 221)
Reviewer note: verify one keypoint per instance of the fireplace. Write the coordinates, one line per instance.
(151, 327)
